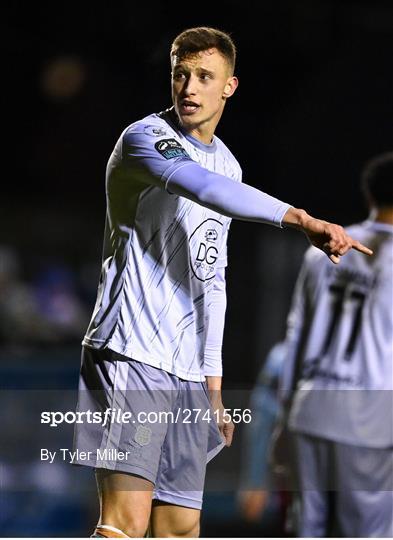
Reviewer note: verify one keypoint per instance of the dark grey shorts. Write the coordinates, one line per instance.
(142, 420)
(345, 489)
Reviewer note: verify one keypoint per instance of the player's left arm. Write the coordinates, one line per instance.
(225, 425)
(213, 354)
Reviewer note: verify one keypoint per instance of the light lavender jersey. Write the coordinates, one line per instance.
(341, 331)
(161, 251)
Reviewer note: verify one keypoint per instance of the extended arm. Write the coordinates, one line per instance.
(244, 202)
(185, 177)
(226, 196)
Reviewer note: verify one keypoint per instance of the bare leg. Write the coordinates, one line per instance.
(125, 502)
(172, 521)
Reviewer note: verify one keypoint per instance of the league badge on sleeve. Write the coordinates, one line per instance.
(155, 131)
(170, 148)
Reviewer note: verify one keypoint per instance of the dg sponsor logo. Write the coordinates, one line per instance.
(204, 249)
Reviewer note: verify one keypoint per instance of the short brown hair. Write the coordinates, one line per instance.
(201, 38)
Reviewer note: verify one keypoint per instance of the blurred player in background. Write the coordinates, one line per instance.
(154, 341)
(340, 363)
(261, 503)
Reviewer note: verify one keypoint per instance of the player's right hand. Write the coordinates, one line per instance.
(329, 237)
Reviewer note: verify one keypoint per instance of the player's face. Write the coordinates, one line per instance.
(201, 83)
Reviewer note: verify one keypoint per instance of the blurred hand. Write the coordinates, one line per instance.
(252, 504)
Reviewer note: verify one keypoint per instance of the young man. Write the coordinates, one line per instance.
(340, 352)
(156, 331)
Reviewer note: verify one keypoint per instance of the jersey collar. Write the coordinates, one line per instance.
(209, 148)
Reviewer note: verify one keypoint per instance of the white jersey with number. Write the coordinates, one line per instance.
(341, 336)
(161, 251)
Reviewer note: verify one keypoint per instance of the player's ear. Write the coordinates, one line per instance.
(230, 87)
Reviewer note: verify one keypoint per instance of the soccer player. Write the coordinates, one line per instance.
(154, 341)
(340, 363)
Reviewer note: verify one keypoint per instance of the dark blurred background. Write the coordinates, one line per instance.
(314, 103)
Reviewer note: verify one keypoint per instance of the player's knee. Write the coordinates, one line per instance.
(190, 529)
(125, 502)
(184, 528)
(131, 524)
(135, 526)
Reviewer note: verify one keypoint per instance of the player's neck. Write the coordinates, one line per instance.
(384, 215)
(203, 131)
(203, 135)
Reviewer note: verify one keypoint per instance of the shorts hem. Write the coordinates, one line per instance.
(214, 451)
(119, 467)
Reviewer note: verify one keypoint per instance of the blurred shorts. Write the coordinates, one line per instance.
(345, 490)
(144, 421)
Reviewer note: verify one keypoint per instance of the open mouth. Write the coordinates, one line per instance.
(188, 107)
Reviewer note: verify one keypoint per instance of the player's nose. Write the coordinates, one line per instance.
(190, 86)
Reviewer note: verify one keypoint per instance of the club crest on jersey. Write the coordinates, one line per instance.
(170, 148)
(142, 435)
(204, 249)
(211, 235)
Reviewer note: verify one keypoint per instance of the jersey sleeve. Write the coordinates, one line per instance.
(298, 322)
(164, 162)
(226, 196)
(152, 158)
(215, 328)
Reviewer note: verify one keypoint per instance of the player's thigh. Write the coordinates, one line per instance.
(125, 501)
(364, 485)
(111, 387)
(173, 521)
(190, 441)
(365, 514)
(312, 464)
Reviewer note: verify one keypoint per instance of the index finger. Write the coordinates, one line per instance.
(360, 247)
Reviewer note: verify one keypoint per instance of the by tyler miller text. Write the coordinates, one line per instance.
(77, 456)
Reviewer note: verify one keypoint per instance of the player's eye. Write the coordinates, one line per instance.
(179, 75)
(205, 76)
